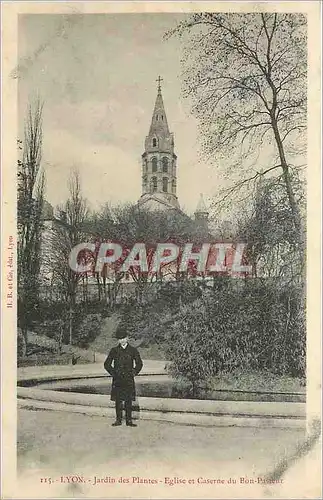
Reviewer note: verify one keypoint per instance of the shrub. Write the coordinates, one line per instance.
(50, 328)
(21, 344)
(260, 326)
(88, 330)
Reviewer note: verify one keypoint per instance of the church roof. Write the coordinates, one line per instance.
(159, 201)
(159, 125)
(201, 206)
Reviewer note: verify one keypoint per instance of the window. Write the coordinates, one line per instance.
(154, 142)
(165, 184)
(156, 118)
(154, 184)
(165, 165)
(154, 164)
(162, 117)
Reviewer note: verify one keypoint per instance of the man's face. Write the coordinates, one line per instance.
(123, 342)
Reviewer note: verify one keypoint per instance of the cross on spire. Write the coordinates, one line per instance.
(159, 80)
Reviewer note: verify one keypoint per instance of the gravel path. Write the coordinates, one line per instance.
(53, 444)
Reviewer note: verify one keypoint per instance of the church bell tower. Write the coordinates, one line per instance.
(159, 162)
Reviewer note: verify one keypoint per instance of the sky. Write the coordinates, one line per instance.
(96, 75)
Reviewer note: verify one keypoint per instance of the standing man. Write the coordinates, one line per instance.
(123, 363)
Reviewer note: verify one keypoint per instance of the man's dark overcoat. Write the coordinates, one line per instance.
(123, 364)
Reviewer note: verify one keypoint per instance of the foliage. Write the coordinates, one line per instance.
(21, 344)
(272, 243)
(48, 327)
(88, 330)
(173, 294)
(265, 381)
(52, 320)
(49, 310)
(149, 322)
(256, 325)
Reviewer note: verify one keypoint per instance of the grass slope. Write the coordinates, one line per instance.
(106, 339)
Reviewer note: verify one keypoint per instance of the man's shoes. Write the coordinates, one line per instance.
(131, 424)
(117, 422)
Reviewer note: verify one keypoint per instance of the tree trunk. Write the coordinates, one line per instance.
(86, 288)
(23, 318)
(284, 165)
(194, 388)
(286, 176)
(108, 295)
(71, 317)
(60, 339)
(22, 345)
(83, 289)
(70, 324)
(99, 286)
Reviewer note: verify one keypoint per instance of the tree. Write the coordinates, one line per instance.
(270, 233)
(259, 326)
(246, 76)
(128, 225)
(67, 232)
(31, 186)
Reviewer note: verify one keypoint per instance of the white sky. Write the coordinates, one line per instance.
(97, 76)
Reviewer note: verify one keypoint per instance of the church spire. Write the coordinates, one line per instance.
(159, 125)
(159, 169)
(202, 216)
(201, 211)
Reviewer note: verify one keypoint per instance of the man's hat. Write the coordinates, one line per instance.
(121, 333)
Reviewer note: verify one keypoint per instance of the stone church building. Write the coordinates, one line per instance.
(159, 166)
(159, 187)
